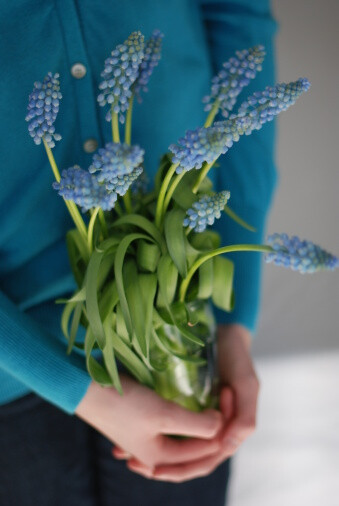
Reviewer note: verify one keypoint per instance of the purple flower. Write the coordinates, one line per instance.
(236, 73)
(205, 211)
(43, 108)
(120, 72)
(299, 255)
(84, 189)
(115, 159)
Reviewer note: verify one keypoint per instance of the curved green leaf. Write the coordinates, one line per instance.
(108, 354)
(175, 239)
(148, 255)
(118, 267)
(140, 221)
(205, 273)
(97, 372)
(92, 306)
(222, 295)
(238, 220)
(129, 358)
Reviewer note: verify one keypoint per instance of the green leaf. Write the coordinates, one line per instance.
(92, 306)
(135, 303)
(183, 195)
(205, 273)
(118, 266)
(166, 344)
(108, 353)
(169, 274)
(147, 256)
(164, 269)
(97, 372)
(76, 251)
(141, 222)
(148, 286)
(222, 295)
(121, 325)
(129, 358)
(206, 240)
(238, 220)
(65, 317)
(108, 300)
(175, 239)
(74, 326)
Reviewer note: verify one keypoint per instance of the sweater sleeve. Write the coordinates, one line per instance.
(39, 360)
(248, 169)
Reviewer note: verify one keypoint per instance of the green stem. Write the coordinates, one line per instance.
(203, 173)
(128, 126)
(72, 208)
(128, 201)
(226, 249)
(171, 189)
(91, 228)
(103, 222)
(118, 209)
(212, 114)
(115, 126)
(162, 192)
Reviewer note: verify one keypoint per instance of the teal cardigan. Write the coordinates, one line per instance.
(52, 35)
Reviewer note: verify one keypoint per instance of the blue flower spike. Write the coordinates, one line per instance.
(43, 108)
(152, 55)
(84, 189)
(207, 144)
(262, 106)
(121, 183)
(236, 73)
(116, 159)
(205, 211)
(120, 71)
(299, 255)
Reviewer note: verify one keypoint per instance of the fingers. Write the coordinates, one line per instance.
(179, 472)
(176, 420)
(171, 451)
(243, 422)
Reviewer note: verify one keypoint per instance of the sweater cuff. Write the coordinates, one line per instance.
(247, 267)
(38, 359)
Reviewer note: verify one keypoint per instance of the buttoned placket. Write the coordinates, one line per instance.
(81, 72)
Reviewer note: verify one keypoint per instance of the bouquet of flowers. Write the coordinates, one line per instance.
(145, 263)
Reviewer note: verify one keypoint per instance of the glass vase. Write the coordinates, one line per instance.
(191, 384)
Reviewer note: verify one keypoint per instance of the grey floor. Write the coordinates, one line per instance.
(293, 458)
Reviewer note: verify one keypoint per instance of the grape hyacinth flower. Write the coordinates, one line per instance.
(299, 255)
(120, 72)
(43, 107)
(120, 184)
(152, 55)
(115, 159)
(205, 211)
(262, 106)
(207, 144)
(84, 189)
(235, 75)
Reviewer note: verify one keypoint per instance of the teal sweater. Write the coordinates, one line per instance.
(52, 35)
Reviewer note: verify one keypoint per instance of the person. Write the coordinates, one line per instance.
(57, 427)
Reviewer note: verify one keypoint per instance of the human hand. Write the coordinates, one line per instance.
(238, 404)
(138, 422)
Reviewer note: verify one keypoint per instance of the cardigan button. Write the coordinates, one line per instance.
(78, 70)
(90, 145)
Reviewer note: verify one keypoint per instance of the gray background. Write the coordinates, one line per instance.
(299, 312)
(293, 457)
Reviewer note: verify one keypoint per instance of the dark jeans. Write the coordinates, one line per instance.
(49, 458)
